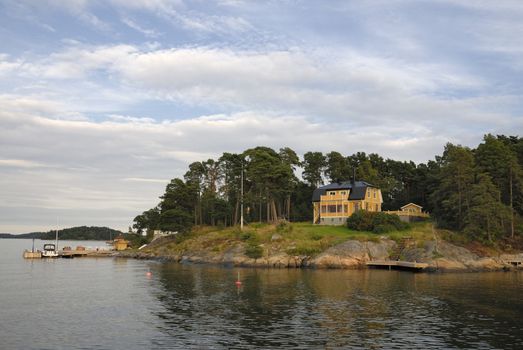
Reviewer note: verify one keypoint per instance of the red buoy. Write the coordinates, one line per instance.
(238, 282)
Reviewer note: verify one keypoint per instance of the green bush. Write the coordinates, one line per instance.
(316, 236)
(361, 220)
(377, 222)
(284, 226)
(248, 236)
(254, 251)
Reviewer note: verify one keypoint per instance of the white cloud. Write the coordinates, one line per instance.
(341, 85)
(87, 128)
(150, 33)
(141, 179)
(19, 163)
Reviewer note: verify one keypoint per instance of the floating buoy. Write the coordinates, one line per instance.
(238, 282)
(148, 273)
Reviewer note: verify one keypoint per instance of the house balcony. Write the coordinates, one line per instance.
(335, 197)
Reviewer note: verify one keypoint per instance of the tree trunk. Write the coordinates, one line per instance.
(196, 215)
(459, 203)
(289, 208)
(274, 211)
(260, 209)
(201, 214)
(511, 206)
(236, 210)
(488, 229)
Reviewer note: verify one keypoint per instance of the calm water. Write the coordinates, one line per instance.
(104, 303)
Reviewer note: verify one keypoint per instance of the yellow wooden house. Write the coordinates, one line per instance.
(335, 202)
(120, 243)
(410, 212)
(412, 208)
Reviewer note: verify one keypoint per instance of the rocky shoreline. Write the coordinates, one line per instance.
(440, 256)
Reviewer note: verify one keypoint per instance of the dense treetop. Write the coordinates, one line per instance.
(81, 233)
(477, 191)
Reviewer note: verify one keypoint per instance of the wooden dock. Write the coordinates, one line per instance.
(84, 253)
(398, 265)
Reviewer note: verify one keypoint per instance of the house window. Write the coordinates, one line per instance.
(340, 208)
(332, 193)
(375, 193)
(346, 208)
(356, 206)
(343, 193)
(368, 193)
(367, 206)
(332, 208)
(323, 209)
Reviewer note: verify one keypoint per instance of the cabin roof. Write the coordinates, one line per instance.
(357, 189)
(410, 204)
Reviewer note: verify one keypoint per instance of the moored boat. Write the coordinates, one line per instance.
(50, 251)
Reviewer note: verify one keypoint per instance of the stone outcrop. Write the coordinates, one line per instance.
(351, 254)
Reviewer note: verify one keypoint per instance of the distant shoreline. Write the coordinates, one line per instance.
(49, 239)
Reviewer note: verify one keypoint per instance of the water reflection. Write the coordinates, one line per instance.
(202, 307)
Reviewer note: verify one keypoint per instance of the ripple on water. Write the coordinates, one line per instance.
(112, 304)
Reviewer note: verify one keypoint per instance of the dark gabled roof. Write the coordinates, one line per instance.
(358, 189)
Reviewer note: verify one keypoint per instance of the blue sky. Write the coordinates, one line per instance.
(104, 101)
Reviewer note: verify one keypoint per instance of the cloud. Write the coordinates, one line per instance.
(90, 123)
(150, 33)
(337, 85)
(124, 162)
(140, 179)
(19, 163)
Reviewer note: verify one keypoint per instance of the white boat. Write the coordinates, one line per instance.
(50, 249)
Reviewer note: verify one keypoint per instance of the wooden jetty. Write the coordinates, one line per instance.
(398, 265)
(35, 254)
(84, 253)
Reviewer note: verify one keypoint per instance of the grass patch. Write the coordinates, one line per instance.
(296, 238)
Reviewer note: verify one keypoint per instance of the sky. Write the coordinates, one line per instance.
(102, 102)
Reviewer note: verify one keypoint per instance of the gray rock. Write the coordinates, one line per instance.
(276, 237)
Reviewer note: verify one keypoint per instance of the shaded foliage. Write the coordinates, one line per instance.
(80, 233)
(477, 191)
(377, 222)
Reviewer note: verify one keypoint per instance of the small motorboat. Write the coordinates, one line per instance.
(50, 251)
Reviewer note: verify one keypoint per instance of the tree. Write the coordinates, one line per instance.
(486, 214)
(451, 199)
(290, 160)
(176, 206)
(270, 178)
(148, 220)
(314, 164)
(194, 177)
(500, 161)
(337, 168)
(231, 168)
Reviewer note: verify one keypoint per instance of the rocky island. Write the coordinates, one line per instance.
(301, 245)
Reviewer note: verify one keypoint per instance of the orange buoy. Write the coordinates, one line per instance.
(238, 282)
